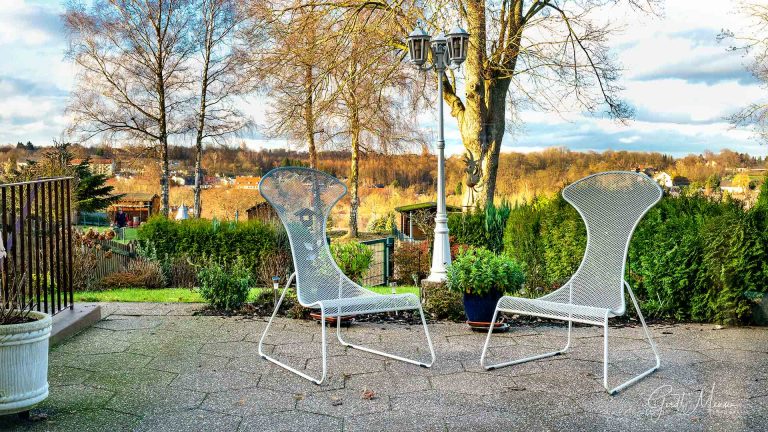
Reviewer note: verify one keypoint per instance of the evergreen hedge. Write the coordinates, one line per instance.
(691, 257)
(202, 240)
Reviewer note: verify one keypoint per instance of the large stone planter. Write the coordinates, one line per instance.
(24, 363)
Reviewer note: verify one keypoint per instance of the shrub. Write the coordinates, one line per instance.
(522, 242)
(691, 257)
(139, 274)
(202, 240)
(353, 259)
(479, 271)
(84, 260)
(290, 307)
(224, 287)
(441, 303)
(481, 228)
(181, 273)
(411, 258)
(382, 224)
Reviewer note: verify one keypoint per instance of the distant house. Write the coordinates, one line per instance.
(223, 180)
(178, 180)
(730, 187)
(102, 166)
(138, 206)
(663, 179)
(407, 226)
(670, 181)
(247, 182)
(649, 170)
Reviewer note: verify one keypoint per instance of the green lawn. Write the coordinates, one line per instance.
(180, 295)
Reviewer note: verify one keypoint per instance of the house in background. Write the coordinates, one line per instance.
(138, 206)
(247, 182)
(670, 181)
(648, 170)
(408, 228)
(730, 187)
(102, 166)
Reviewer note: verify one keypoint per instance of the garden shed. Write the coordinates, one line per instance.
(137, 206)
(263, 212)
(411, 213)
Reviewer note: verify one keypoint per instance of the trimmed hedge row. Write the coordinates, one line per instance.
(691, 258)
(202, 240)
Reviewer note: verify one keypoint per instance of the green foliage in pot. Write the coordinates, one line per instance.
(479, 271)
(353, 259)
(225, 286)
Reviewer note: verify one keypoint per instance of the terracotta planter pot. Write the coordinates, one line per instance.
(331, 320)
(24, 363)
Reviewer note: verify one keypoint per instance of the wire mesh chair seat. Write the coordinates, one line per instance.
(369, 304)
(303, 199)
(611, 205)
(555, 309)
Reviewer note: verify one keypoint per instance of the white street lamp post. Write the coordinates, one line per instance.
(448, 51)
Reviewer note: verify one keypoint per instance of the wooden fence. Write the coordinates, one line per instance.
(113, 257)
(36, 224)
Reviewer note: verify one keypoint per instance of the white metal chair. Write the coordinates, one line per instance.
(611, 204)
(303, 199)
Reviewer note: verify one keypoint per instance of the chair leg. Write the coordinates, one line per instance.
(285, 366)
(522, 360)
(650, 340)
(392, 356)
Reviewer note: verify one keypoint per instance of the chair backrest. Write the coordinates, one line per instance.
(303, 199)
(611, 204)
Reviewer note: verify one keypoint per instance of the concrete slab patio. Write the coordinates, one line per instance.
(158, 367)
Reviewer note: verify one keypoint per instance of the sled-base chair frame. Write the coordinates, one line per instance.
(611, 205)
(303, 199)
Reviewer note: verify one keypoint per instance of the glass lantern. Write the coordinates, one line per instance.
(457, 39)
(418, 41)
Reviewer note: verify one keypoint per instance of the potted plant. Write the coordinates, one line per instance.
(482, 277)
(24, 337)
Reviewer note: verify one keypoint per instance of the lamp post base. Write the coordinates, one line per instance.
(436, 277)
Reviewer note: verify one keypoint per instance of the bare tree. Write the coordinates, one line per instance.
(752, 41)
(290, 62)
(542, 54)
(375, 98)
(219, 80)
(132, 57)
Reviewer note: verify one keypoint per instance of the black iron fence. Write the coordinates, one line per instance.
(36, 224)
(381, 269)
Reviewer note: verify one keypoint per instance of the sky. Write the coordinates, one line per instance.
(679, 79)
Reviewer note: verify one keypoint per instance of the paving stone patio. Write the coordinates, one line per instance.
(157, 367)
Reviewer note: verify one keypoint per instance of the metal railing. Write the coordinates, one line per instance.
(36, 223)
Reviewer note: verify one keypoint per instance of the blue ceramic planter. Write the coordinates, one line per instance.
(480, 308)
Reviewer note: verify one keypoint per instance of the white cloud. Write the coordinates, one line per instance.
(630, 139)
(679, 78)
(22, 22)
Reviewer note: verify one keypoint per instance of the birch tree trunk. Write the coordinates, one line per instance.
(309, 115)
(354, 202)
